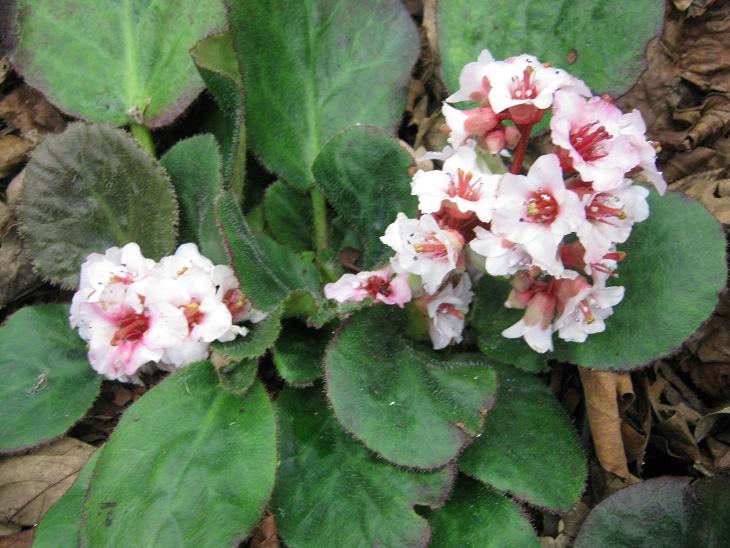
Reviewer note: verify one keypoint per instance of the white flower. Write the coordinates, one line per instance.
(446, 312)
(537, 211)
(462, 184)
(536, 325)
(230, 293)
(585, 312)
(502, 257)
(424, 248)
(382, 285)
(610, 215)
(635, 128)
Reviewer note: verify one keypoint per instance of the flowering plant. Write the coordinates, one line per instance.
(320, 322)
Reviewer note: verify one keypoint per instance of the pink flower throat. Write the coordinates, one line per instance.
(542, 207)
(587, 142)
(131, 328)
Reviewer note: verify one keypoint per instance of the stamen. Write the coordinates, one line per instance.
(587, 142)
(131, 328)
(542, 207)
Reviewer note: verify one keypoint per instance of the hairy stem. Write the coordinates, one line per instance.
(319, 210)
(143, 135)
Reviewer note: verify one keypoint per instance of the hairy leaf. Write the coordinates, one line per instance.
(299, 353)
(476, 515)
(188, 464)
(577, 35)
(194, 165)
(117, 62)
(288, 214)
(269, 273)
(331, 491)
(88, 189)
(364, 175)
(60, 526)
(48, 384)
(413, 406)
(216, 62)
(260, 338)
(319, 73)
(528, 447)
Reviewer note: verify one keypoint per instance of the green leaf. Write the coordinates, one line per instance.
(48, 384)
(88, 189)
(188, 465)
(673, 273)
(269, 273)
(578, 35)
(216, 62)
(476, 516)
(528, 447)
(194, 165)
(412, 406)
(331, 491)
(319, 73)
(299, 354)
(666, 511)
(289, 216)
(238, 377)
(60, 526)
(364, 175)
(260, 338)
(118, 62)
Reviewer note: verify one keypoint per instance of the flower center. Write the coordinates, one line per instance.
(603, 207)
(542, 207)
(451, 310)
(131, 328)
(127, 279)
(192, 313)
(235, 300)
(586, 311)
(588, 142)
(376, 285)
(525, 87)
(465, 187)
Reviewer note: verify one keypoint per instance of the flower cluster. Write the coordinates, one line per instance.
(553, 231)
(132, 311)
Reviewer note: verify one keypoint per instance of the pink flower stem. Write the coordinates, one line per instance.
(521, 148)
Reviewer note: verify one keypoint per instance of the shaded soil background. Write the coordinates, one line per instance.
(672, 418)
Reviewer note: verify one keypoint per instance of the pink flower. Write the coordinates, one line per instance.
(502, 257)
(635, 128)
(462, 186)
(475, 123)
(520, 86)
(424, 248)
(381, 285)
(589, 134)
(446, 312)
(584, 308)
(229, 292)
(610, 215)
(537, 211)
(536, 325)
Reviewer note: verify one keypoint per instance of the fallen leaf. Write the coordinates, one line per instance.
(265, 535)
(30, 484)
(712, 188)
(27, 110)
(13, 151)
(21, 539)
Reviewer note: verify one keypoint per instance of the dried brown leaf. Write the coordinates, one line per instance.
(712, 188)
(30, 484)
(13, 151)
(27, 110)
(265, 535)
(21, 539)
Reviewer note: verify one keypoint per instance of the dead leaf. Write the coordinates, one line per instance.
(601, 391)
(30, 484)
(27, 110)
(13, 151)
(22, 539)
(265, 535)
(712, 188)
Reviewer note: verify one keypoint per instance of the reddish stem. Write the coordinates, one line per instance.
(521, 148)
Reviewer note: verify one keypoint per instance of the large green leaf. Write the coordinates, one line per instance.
(289, 216)
(299, 353)
(667, 511)
(529, 447)
(216, 62)
(410, 405)
(310, 69)
(60, 526)
(118, 62)
(673, 272)
(260, 338)
(600, 41)
(364, 175)
(269, 273)
(188, 465)
(48, 384)
(331, 491)
(475, 516)
(91, 188)
(194, 165)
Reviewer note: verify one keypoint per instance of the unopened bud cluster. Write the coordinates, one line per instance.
(135, 313)
(552, 231)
